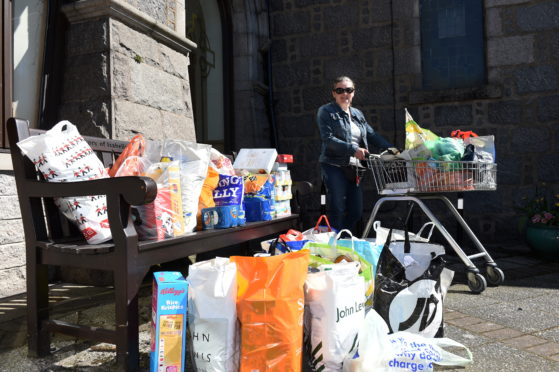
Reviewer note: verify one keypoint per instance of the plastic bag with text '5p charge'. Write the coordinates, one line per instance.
(270, 307)
(401, 351)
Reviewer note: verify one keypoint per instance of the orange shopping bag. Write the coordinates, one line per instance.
(270, 306)
(129, 159)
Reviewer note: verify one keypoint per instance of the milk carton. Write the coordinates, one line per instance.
(168, 322)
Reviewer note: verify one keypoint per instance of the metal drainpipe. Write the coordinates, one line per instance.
(274, 129)
(393, 72)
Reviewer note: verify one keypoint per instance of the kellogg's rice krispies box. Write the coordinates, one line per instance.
(168, 322)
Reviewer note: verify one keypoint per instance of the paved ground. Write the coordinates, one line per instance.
(513, 327)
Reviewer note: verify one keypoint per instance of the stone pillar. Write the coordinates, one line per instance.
(12, 245)
(125, 72)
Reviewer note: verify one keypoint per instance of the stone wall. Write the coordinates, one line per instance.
(314, 41)
(12, 246)
(126, 71)
(124, 77)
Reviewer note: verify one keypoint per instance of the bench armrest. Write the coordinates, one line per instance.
(135, 190)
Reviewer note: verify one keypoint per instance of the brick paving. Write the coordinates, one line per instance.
(513, 327)
(515, 321)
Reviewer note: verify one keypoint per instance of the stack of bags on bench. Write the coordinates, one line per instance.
(198, 187)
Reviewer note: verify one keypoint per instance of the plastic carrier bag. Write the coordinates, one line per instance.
(320, 233)
(382, 233)
(62, 155)
(335, 309)
(194, 159)
(410, 286)
(270, 306)
(368, 250)
(129, 161)
(334, 253)
(162, 218)
(400, 351)
(212, 315)
(415, 135)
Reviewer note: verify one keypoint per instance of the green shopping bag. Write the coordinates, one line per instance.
(322, 253)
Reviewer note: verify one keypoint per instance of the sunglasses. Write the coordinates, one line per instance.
(344, 90)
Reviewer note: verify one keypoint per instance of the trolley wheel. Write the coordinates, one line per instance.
(494, 275)
(476, 282)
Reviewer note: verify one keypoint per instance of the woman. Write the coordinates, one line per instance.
(346, 138)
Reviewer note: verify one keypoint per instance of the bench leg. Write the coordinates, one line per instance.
(37, 309)
(127, 324)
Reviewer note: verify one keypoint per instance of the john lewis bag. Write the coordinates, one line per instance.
(334, 313)
(62, 155)
(212, 315)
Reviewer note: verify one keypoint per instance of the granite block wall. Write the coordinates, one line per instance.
(378, 44)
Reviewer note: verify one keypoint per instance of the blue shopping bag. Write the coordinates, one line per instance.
(369, 250)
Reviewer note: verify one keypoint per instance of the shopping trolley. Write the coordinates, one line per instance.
(415, 181)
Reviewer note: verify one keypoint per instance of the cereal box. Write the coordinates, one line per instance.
(168, 322)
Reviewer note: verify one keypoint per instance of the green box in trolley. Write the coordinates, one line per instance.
(168, 322)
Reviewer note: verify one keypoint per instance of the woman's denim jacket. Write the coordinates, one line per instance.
(335, 133)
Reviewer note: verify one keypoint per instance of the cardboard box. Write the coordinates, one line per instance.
(256, 160)
(168, 322)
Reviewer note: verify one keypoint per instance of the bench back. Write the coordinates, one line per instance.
(40, 216)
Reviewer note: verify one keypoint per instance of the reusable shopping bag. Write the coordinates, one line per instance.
(382, 233)
(370, 251)
(401, 351)
(410, 286)
(212, 315)
(270, 305)
(320, 233)
(335, 309)
(291, 241)
(62, 155)
(334, 253)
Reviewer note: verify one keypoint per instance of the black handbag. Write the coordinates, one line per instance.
(353, 173)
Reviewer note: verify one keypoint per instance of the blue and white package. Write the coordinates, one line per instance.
(257, 209)
(229, 190)
(220, 217)
(168, 322)
(228, 193)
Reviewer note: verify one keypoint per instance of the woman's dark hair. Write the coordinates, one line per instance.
(339, 79)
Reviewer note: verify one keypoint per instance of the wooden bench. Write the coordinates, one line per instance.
(51, 241)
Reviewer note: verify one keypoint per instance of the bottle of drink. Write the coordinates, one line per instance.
(323, 197)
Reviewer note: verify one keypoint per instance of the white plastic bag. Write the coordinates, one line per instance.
(62, 155)
(400, 351)
(212, 315)
(194, 159)
(320, 233)
(382, 233)
(334, 313)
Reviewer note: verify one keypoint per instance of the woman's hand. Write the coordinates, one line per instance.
(361, 153)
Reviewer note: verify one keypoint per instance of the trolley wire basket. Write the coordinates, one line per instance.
(399, 176)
